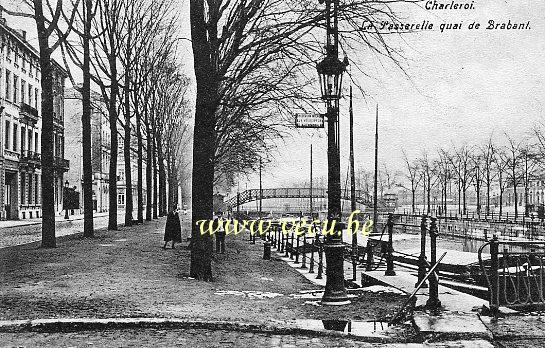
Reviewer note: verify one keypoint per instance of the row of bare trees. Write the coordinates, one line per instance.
(488, 169)
(128, 49)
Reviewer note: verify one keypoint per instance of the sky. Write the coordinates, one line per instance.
(460, 87)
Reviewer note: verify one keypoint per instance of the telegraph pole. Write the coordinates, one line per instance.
(311, 206)
(260, 189)
(352, 185)
(375, 192)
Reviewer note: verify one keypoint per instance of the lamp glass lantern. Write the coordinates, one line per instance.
(330, 72)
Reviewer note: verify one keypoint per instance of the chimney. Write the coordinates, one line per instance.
(23, 33)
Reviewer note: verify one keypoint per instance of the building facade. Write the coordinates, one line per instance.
(20, 127)
(100, 147)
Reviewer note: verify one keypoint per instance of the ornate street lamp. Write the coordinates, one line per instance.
(330, 71)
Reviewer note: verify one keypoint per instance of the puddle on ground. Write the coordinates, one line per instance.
(267, 279)
(349, 327)
(106, 245)
(249, 294)
(120, 240)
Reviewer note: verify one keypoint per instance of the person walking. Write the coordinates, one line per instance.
(220, 234)
(173, 229)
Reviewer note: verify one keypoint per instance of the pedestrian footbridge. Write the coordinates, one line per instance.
(254, 195)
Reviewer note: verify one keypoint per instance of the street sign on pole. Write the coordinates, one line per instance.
(309, 120)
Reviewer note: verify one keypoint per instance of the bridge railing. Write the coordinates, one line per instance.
(515, 278)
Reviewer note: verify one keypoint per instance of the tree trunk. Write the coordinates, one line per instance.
(139, 180)
(149, 163)
(47, 180)
(162, 176)
(112, 114)
(203, 143)
(127, 141)
(154, 166)
(88, 229)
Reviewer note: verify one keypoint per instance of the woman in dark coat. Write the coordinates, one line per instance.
(173, 229)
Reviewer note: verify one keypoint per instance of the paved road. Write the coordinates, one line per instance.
(22, 234)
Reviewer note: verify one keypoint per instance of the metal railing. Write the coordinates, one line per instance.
(427, 227)
(515, 275)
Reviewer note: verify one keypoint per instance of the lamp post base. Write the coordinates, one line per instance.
(335, 292)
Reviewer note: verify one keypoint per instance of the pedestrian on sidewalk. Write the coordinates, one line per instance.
(173, 228)
(220, 234)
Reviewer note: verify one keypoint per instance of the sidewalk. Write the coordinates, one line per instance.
(126, 274)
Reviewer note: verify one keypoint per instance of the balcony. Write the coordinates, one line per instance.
(30, 158)
(29, 113)
(62, 164)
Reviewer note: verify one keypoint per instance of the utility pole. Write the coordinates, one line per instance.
(311, 206)
(260, 189)
(375, 195)
(352, 181)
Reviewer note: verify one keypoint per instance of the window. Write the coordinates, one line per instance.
(6, 139)
(23, 188)
(14, 140)
(30, 140)
(23, 143)
(29, 198)
(36, 191)
(36, 148)
(121, 198)
(15, 89)
(8, 85)
(36, 98)
(121, 175)
(23, 90)
(29, 94)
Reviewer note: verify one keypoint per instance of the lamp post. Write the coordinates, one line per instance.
(330, 72)
(65, 195)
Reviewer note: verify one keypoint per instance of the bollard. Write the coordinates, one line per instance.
(320, 260)
(292, 245)
(422, 258)
(267, 250)
(281, 241)
(297, 249)
(494, 279)
(311, 261)
(390, 257)
(304, 259)
(369, 255)
(433, 300)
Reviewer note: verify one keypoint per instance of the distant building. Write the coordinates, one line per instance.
(100, 147)
(20, 128)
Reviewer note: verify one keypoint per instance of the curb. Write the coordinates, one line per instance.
(87, 324)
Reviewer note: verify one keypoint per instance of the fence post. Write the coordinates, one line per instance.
(304, 261)
(494, 279)
(369, 255)
(390, 257)
(422, 258)
(297, 249)
(311, 262)
(433, 300)
(291, 245)
(281, 240)
(320, 260)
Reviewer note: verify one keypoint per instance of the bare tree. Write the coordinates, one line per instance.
(414, 178)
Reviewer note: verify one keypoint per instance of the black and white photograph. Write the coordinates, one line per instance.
(272, 173)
